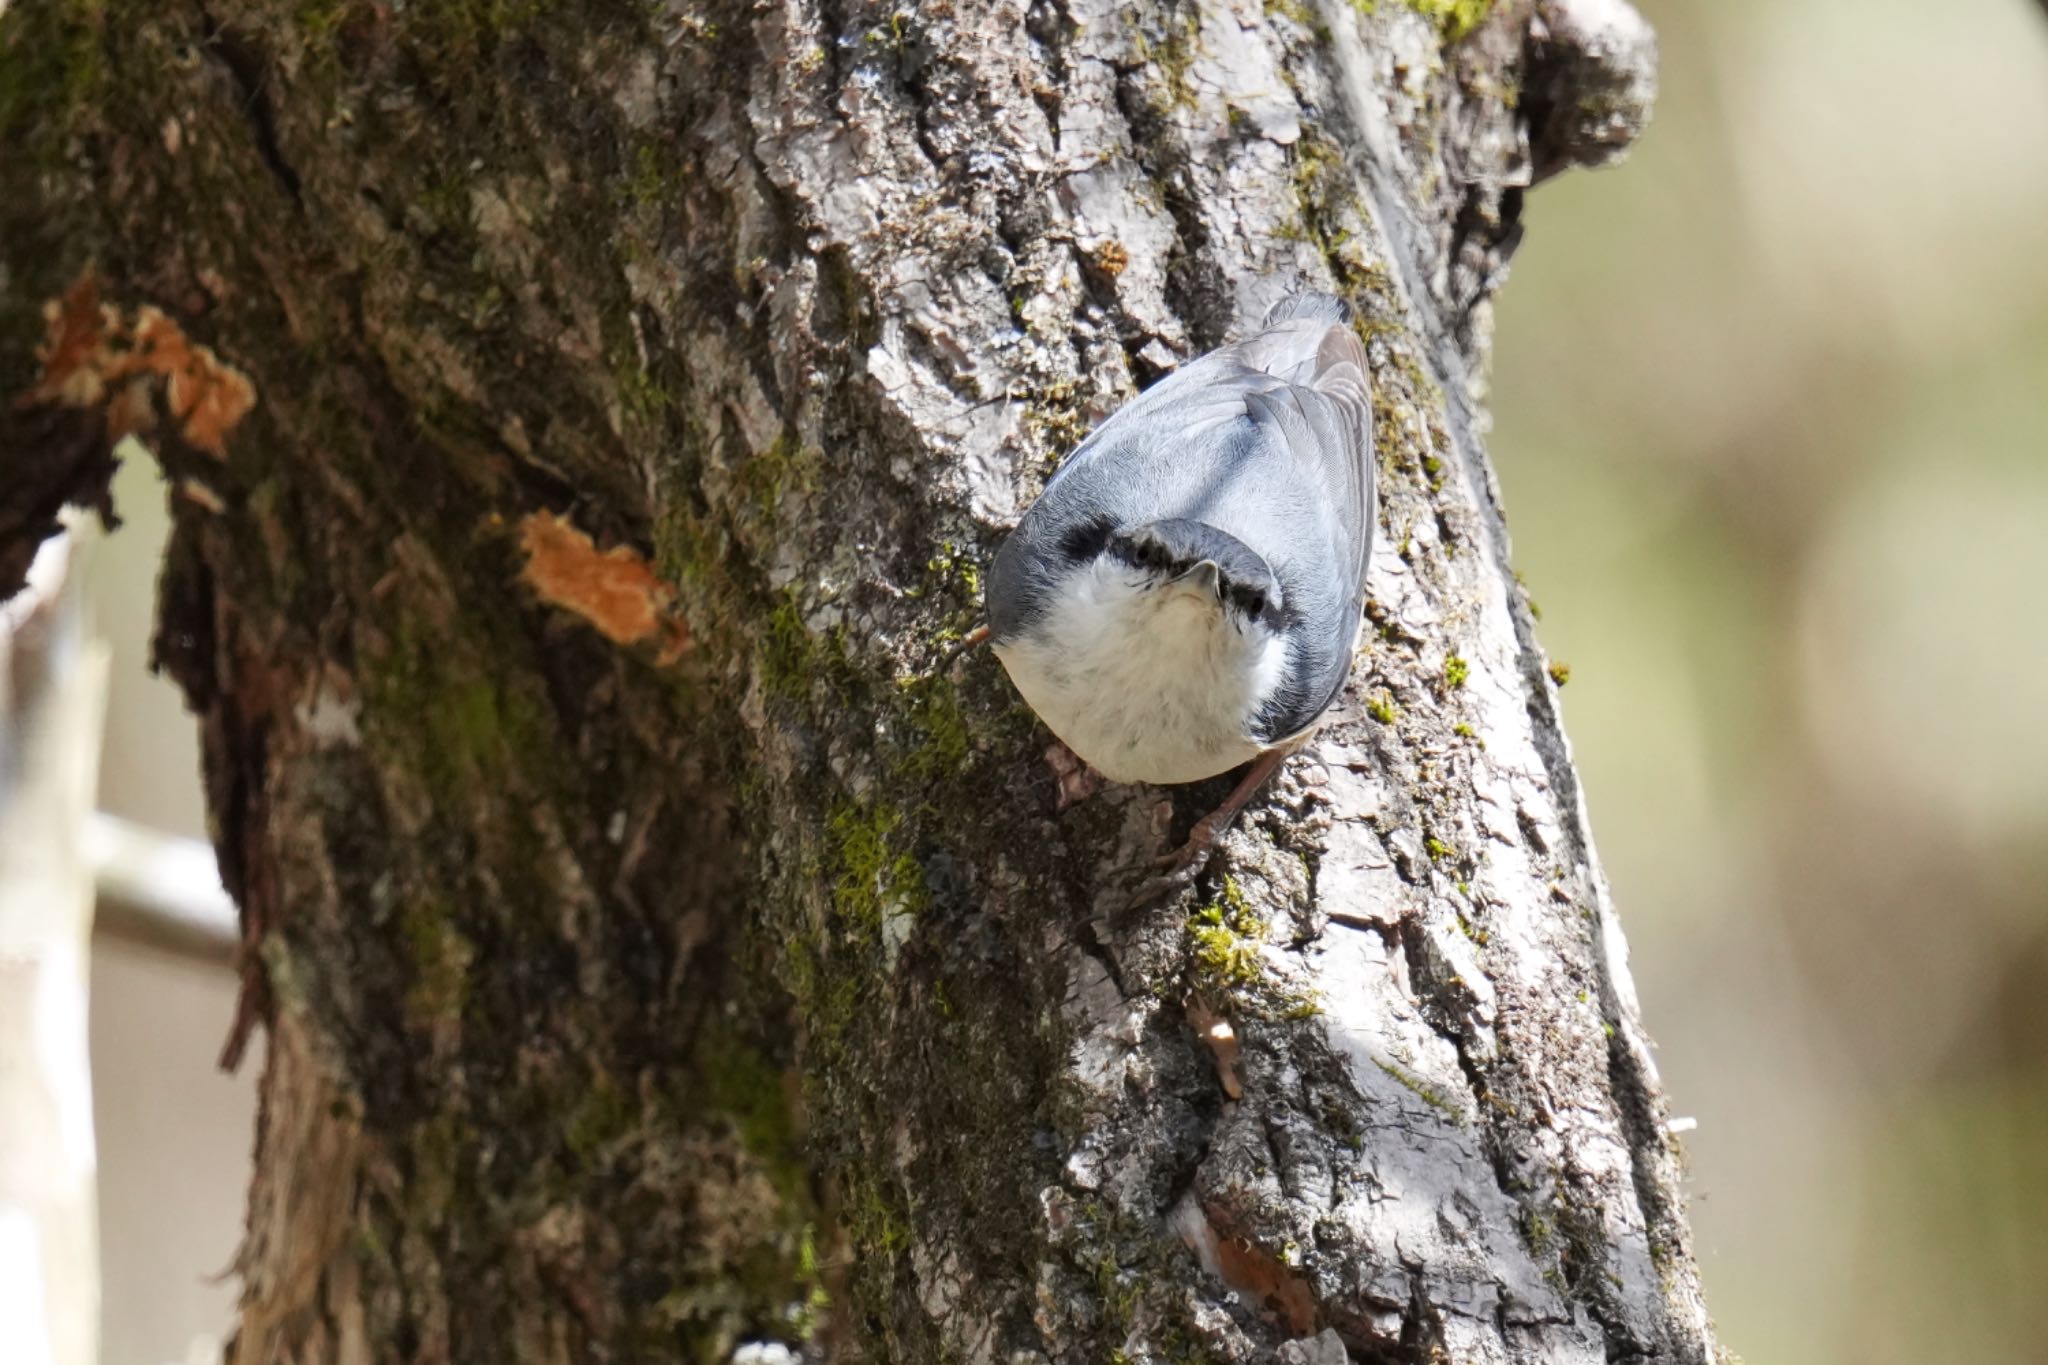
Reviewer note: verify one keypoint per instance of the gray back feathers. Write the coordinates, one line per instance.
(1268, 440)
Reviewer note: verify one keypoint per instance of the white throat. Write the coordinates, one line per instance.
(1146, 684)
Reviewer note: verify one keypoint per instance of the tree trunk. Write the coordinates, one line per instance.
(667, 933)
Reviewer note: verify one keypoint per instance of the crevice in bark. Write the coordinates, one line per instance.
(1050, 24)
(1487, 227)
(250, 73)
(912, 74)
(1191, 279)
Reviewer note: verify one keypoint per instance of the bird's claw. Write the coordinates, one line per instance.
(1182, 866)
(1195, 852)
(1157, 889)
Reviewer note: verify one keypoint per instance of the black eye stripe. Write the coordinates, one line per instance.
(1150, 554)
(1244, 597)
(1086, 540)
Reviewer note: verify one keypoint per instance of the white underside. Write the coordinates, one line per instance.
(1146, 686)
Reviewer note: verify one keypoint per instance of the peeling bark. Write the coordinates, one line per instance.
(668, 934)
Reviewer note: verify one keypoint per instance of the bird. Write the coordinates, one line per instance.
(1185, 594)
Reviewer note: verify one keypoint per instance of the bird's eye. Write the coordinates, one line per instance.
(1254, 603)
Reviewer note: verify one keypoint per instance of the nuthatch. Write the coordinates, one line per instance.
(1185, 595)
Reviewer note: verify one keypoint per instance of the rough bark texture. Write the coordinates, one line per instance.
(666, 934)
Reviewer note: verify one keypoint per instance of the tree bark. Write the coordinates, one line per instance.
(667, 934)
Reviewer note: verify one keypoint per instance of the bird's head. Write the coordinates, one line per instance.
(1191, 560)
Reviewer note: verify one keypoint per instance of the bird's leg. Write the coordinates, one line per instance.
(1185, 863)
(977, 636)
(1210, 827)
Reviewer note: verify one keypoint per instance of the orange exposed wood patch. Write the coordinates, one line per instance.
(1278, 1290)
(207, 396)
(73, 354)
(1221, 1039)
(615, 590)
(93, 349)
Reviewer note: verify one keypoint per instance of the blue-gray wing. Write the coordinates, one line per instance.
(1307, 400)
(1268, 439)
(1305, 387)
(1296, 389)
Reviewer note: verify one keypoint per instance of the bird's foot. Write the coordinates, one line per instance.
(1184, 864)
(1201, 843)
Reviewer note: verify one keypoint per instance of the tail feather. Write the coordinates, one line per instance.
(1306, 339)
(1312, 305)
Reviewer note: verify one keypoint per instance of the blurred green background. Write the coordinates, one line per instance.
(1771, 417)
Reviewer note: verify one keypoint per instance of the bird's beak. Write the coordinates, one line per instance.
(1205, 578)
